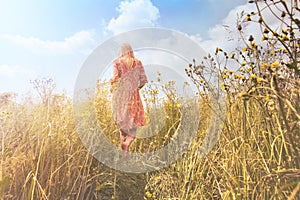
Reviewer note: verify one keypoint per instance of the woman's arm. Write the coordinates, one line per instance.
(143, 77)
(115, 77)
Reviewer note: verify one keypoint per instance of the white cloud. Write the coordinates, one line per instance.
(134, 14)
(228, 38)
(80, 42)
(15, 70)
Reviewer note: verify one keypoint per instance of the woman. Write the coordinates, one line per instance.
(128, 112)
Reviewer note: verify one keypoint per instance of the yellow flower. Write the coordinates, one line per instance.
(244, 63)
(249, 69)
(284, 38)
(178, 105)
(264, 38)
(232, 55)
(241, 70)
(254, 44)
(275, 34)
(244, 49)
(275, 64)
(267, 97)
(148, 194)
(114, 141)
(158, 178)
(248, 18)
(224, 76)
(280, 49)
(253, 76)
(264, 66)
(259, 80)
(217, 50)
(230, 71)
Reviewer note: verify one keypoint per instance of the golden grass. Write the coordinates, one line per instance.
(256, 156)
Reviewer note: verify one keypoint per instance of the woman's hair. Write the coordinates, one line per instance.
(126, 50)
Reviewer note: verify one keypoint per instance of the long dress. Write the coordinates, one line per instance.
(128, 111)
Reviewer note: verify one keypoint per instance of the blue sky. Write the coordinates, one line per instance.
(53, 38)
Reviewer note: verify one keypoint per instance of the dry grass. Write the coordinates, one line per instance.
(256, 157)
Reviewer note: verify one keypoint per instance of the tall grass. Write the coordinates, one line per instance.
(256, 156)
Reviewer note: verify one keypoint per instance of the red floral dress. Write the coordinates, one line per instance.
(127, 106)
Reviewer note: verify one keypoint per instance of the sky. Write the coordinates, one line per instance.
(52, 39)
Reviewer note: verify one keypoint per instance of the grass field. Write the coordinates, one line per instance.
(256, 156)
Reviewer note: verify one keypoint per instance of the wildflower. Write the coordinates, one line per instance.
(178, 105)
(254, 44)
(249, 69)
(297, 45)
(241, 70)
(264, 66)
(275, 34)
(148, 194)
(114, 141)
(253, 76)
(264, 38)
(275, 64)
(243, 63)
(259, 80)
(248, 18)
(217, 50)
(244, 49)
(224, 76)
(267, 97)
(232, 55)
(155, 91)
(230, 72)
(284, 38)
(158, 178)
(280, 49)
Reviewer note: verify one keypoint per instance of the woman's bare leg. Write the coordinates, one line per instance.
(126, 140)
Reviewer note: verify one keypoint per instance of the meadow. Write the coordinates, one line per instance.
(256, 155)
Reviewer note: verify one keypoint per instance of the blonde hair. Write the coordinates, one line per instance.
(126, 50)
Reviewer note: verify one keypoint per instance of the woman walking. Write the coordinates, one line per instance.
(128, 112)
